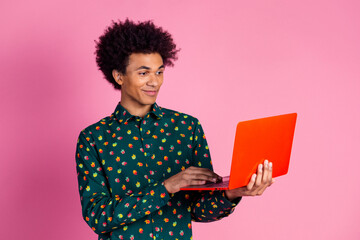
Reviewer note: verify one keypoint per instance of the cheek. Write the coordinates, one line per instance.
(161, 80)
(135, 84)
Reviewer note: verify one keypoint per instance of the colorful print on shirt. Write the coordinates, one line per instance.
(122, 162)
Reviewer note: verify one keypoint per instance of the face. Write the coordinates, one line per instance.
(141, 83)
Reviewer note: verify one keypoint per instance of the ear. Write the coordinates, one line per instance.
(118, 76)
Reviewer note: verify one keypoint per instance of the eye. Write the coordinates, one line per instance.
(159, 72)
(142, 73)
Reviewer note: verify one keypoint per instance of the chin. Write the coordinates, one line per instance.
(149, 102)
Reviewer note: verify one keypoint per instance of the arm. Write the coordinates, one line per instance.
(102, 211)
(208, 206)
(205, 206)
(258, 183)
(211, 206)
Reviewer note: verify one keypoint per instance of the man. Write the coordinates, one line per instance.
(132, 164)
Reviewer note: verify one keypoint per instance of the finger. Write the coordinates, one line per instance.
(266, 173)
(185, 183)
(204, 171)
(263, 187)
(251, 182)
(270, 172)
(197, 182)
(261, 191)
(199, 177)
(194, 170)
(259, 175)
(272, 181)
(204, 177)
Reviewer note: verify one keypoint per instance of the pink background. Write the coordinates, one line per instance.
(239, 60)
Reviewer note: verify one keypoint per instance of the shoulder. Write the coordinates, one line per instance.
(173, 114)
(101, 125)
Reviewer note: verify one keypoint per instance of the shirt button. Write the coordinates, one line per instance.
(157, 235)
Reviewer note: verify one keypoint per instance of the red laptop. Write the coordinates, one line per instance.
(256, 140)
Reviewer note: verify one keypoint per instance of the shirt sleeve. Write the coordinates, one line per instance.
(103, 212)
(207, 206)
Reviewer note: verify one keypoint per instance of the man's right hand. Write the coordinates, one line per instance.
(190, 176)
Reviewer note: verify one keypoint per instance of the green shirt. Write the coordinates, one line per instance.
(122, 162)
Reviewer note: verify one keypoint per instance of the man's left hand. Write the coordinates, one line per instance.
(257, 185)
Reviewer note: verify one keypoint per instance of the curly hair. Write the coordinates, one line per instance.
(122, 39)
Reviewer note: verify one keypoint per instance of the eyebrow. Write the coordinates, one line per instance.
(147, 68)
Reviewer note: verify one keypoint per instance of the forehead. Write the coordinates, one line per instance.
(151, 60)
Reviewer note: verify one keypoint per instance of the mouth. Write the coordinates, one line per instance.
(151, 93)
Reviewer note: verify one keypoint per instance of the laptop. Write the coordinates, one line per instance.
(256, 140)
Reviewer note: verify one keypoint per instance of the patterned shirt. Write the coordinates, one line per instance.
(122, 162)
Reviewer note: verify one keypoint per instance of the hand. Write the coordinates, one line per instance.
(257, 185)
(190, 176)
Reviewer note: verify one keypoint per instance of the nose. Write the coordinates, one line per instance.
(154, 80)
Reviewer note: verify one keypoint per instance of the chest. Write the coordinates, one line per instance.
(138, 153)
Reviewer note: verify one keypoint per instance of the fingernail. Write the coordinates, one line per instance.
(260, 167)
(270, 165)
(266, 162)
(203, 182)
(214, 180)
(253, 177)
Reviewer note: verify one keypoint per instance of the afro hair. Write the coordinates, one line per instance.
(122, 39)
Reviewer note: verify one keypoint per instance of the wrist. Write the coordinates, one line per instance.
(166, 185)
(230, 196)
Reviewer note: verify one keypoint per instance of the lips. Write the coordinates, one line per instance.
(150, 92)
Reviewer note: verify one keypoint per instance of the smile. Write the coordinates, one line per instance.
(150, 93)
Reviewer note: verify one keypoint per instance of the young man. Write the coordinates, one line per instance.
(132, 164)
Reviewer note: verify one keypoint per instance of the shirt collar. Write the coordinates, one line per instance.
(124, 116)
(156, 110)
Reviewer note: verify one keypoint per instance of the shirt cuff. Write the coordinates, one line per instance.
(229, 203)
(162, 192)
(156, 192)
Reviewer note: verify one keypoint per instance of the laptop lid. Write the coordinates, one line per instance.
(256, 140)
